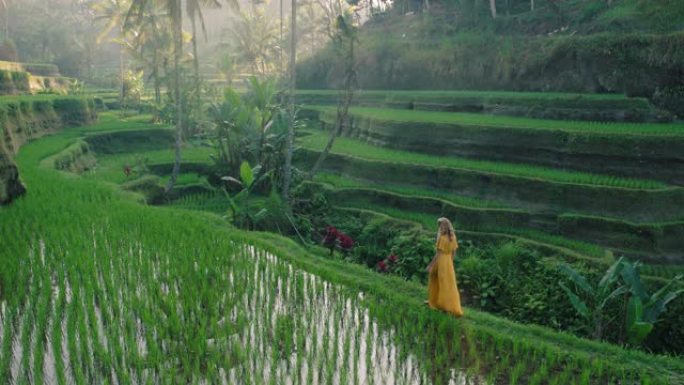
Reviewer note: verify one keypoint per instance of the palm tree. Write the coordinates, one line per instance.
(290, 129)
(175, 13)
(346, 38)
(114, 11)
(5, 6)
(150, 45)
(254, 39)
(194, 11)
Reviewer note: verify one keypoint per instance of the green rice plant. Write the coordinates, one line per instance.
(557, 99)
(482, 120)
(339, 181)
(315, 141)
(517, 372)
(26, 335)
(41, 324)
(8, 316)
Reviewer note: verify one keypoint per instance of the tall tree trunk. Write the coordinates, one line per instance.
(492, 8)
(342, 110)
(7, 5)
(157, 84)
(290, 129)
(195, 60)
(280, 49)
(177, 53)
(122, 73)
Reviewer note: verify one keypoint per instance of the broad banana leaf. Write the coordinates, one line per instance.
(577, 303)
(246, 174)
(577, 278)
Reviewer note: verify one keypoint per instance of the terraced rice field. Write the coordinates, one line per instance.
(339, 181)
(578, 182)
(483, 120)
(316, 140)
(510, 102)
(100, 289)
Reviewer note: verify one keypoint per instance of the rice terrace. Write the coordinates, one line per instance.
(466, 192)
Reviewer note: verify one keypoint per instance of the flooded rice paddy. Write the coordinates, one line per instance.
(130, 315)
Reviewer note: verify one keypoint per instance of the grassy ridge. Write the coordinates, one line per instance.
(317, 140)
(339, 181)
(554, 97)
(65, 209)
(481, 120)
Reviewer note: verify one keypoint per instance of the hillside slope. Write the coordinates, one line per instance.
(633, 47)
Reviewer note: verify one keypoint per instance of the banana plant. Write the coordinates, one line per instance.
(590, 300)
(240, 208)
(643, 310)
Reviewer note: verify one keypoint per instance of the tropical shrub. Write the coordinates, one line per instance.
(621, 278)
(243, 214)
(133, 87)
(643, 310)
(413, 251)
(590, 300)
(249, 127)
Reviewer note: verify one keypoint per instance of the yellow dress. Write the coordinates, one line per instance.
(442, 288)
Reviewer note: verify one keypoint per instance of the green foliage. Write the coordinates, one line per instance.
(250, 127)
(641, 312)
(284, 335)
(255, 41)
(453, 49)
(644, 310)
(12, 82)
(590, 301)
(75, 110)
(76, 158)
(133, 88)
(243, 214)
(140, 165)
(413, 250)
(148, 185)
(133, 249)
(26, 117)
(671, 98)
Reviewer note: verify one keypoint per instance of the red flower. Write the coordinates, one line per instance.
(393, 258)
(331, 235)
(382, 266)
(346, 243)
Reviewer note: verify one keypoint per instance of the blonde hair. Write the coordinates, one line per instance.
(445, 228)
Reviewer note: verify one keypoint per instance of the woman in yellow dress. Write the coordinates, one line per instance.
(442, 289)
